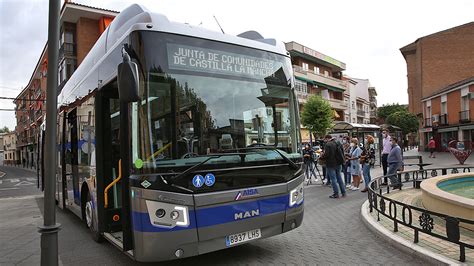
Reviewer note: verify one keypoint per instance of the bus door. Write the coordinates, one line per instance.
(109, 191)
(71, 159)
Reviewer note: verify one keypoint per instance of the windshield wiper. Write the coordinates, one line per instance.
(285, 158)
(211, 156)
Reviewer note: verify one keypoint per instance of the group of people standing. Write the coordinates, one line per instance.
(355, 161)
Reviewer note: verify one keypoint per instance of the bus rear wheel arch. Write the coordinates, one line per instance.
(88, 213)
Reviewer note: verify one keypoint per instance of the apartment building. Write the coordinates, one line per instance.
(361, 101)
(317, 73)
(373, 105)
(80, 27)
(449, 114)
(10, 153)
(434, 63)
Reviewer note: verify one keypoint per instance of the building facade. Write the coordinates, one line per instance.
(10, 153)
(80, 27)
(373, 105)
(449, 114)
(360, 100)
(433, 63)
(316, 73)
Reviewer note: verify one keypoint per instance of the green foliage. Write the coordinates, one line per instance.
(5, 129)
(317, 115)
(385, 110)
(407, 121)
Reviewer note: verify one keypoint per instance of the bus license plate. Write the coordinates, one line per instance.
(242, 237)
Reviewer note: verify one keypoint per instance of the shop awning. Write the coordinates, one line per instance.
(345, 126)
(449, 129)
(319, 84)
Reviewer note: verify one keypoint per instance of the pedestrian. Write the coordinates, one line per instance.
(334, 157)
(354, 157)
(386, 147)
(395, 163)
(346, 145)
(367, 160)
(308, 160)
(432, 147)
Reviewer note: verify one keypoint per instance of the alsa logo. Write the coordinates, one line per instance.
(248, 193)
(246, 214)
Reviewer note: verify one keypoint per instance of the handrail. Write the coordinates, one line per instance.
(159, 151)
(378, 201)
(106, 199)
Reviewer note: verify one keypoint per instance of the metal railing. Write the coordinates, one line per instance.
(428, 122)
(417, 218)
(443, 120)
(464, 116)
(360, 113)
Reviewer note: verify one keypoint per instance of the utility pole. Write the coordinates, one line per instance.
(49, 229)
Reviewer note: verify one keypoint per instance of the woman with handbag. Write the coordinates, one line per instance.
(367, 160)
(354, 158)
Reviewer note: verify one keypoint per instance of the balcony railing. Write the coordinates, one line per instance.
(464, 117)
(360, 113)
(67, 49)
(428, 122)
(443, 120)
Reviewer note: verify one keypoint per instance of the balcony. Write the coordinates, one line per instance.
(337, 104)
(443, 120)
(360, 113)
(464, 117)
(67, 49)
(302, 96)
(310, 74)
(428, 122)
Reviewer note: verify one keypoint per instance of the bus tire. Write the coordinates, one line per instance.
(89, 216)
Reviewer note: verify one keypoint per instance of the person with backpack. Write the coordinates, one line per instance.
(334, 157)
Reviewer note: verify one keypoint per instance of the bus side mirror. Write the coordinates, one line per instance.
(127, 79)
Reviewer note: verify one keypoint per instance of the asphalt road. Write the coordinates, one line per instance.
(16, 181)
(332, 233)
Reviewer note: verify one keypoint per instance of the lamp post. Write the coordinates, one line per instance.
(49, 229)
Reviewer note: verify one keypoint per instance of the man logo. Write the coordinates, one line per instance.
(246, 214)
(248, 193)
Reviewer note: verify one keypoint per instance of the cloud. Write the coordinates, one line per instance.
(366, 35)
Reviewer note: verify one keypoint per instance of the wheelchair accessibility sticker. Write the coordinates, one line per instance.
(209, 180)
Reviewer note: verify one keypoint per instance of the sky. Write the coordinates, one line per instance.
(364, 34)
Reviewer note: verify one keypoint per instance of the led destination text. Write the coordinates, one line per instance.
(206, 60)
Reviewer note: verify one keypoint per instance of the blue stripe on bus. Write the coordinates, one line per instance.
(216, 215)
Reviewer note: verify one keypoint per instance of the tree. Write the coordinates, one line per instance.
(385, 110)
(317, 115)
(5, 129)
(407, 121)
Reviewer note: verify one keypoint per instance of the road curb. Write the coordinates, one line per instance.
(401, 243)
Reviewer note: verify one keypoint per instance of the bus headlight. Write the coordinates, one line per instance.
(297, 195)
(178, 215)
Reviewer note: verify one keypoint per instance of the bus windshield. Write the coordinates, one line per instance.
(206, 98)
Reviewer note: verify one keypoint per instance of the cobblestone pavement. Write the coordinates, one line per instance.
(332, 233)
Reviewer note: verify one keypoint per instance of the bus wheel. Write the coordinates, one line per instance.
(89, 216)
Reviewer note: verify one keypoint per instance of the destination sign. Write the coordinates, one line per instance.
(183, 57)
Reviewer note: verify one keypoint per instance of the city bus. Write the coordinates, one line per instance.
(175, 141)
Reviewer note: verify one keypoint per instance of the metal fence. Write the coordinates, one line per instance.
(417, 218)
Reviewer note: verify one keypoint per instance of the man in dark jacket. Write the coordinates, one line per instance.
(334, 157)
